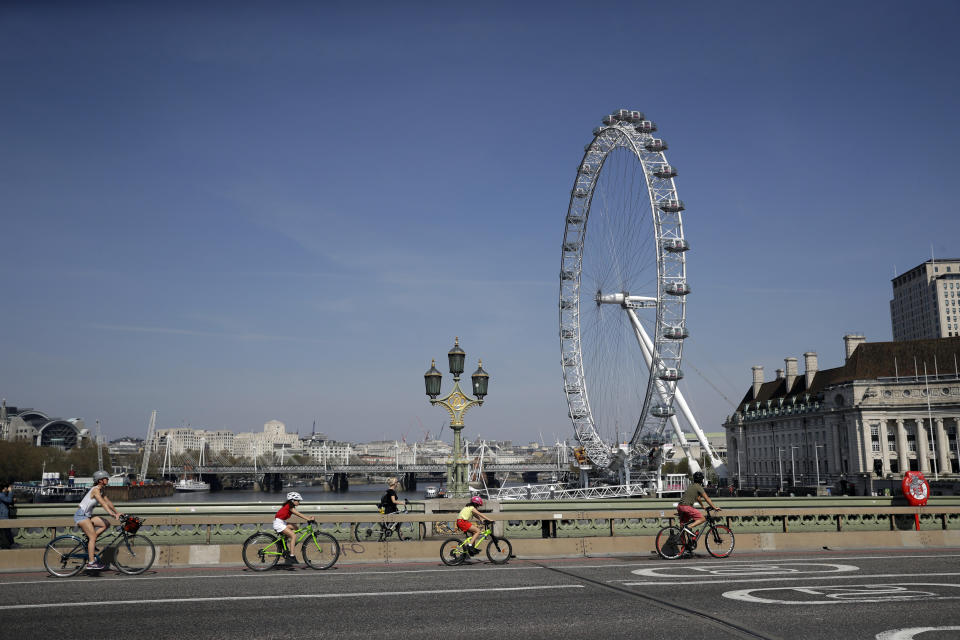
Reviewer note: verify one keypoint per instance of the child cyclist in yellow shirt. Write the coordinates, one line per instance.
(464, 522)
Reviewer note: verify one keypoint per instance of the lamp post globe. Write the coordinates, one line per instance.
(456, 356)
(481, 380)
(431, 380)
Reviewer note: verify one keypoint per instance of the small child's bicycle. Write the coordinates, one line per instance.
(130, 553)
(455, 551)
(263, 550)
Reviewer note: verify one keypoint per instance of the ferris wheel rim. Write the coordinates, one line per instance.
(665, 208)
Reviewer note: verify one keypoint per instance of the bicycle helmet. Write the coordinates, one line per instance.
(698, 477)
(476, 501)
(293, 495)
(99, 475)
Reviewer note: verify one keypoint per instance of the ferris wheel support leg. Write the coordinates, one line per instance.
(646, 345)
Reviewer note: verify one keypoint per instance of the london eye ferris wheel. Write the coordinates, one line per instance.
(623, 288)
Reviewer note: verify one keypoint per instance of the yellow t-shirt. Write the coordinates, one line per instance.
(466, 513)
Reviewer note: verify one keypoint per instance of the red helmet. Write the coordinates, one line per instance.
(476, 501)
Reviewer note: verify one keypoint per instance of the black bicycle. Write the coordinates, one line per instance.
(129, 552)
(386, 531)
(677, 541)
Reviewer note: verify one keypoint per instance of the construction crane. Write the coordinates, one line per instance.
(148, 443)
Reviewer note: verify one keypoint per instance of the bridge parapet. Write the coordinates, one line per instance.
(232, 523)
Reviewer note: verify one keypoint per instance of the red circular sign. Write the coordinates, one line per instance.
(915, 488)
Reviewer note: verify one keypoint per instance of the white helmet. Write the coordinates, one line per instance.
(293, 495)
(99, 475)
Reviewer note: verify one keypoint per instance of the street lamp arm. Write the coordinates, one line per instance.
(457, 403)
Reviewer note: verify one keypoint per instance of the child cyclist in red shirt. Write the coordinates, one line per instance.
(468, 527)
(280, 523)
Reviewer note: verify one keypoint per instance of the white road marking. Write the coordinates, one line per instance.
(744, 569)
(850, 593)
(369, 594)
(909, 634)
(781, 579)
(260, 576)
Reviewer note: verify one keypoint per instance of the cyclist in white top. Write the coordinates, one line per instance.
(92, 525)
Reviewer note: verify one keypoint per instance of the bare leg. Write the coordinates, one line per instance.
(87, 527)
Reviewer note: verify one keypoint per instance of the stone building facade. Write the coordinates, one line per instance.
(891, 407)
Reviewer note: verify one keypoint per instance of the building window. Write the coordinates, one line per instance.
(875, 447)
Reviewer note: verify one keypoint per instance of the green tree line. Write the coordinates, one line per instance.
(21, 461)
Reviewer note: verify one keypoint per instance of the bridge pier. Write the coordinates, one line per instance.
(339, 483)
(531, 477)
(409, 481)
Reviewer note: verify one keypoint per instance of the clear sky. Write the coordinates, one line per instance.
(236, 212)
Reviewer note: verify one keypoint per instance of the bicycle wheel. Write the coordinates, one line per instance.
(321, 551)
(499, 550)
(261, 551)
(368, 532)
(719, 541)
(669, 543)
(135, 554)
(65, 556)
(451, 553)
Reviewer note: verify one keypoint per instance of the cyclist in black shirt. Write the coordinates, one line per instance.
(389, 500)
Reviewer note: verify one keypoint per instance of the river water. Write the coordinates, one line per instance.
(357, 493)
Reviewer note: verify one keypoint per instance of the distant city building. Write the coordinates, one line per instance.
(39, 428)
(891, 407)
(926, 301)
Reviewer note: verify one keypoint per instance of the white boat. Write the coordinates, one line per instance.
(432, 492)
(187, 484)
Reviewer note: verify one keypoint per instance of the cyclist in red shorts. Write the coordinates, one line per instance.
(464, 522)
(690, 516)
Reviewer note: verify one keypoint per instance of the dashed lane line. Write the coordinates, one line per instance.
(315, 596)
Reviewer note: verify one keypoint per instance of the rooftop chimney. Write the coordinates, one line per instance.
(791, 364)
(779, 374)
(851, 342)
(810, 366)
(757, 379)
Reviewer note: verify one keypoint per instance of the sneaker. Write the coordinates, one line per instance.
(94, 566)
(291, 559)
(473, 550)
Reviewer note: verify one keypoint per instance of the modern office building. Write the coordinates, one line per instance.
(926, 301)
(889, 408)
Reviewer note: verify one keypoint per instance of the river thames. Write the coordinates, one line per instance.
(357, 493)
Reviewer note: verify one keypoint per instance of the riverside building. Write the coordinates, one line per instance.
(926, 301)
(889, 408)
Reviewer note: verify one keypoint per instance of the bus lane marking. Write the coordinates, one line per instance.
(845, 594)
(910, 633)
(744, 569)
(692, 580)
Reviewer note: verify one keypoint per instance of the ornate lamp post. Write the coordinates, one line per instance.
(456, 403)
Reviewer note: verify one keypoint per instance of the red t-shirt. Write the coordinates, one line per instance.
(284, 512)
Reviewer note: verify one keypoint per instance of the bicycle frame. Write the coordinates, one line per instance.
(281, 541)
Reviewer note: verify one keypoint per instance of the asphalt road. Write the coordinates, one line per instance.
(883, 594)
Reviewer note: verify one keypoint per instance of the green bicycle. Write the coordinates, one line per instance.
(263, 550)
(454, 551)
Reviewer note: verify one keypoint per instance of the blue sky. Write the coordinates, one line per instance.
(237, 212)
